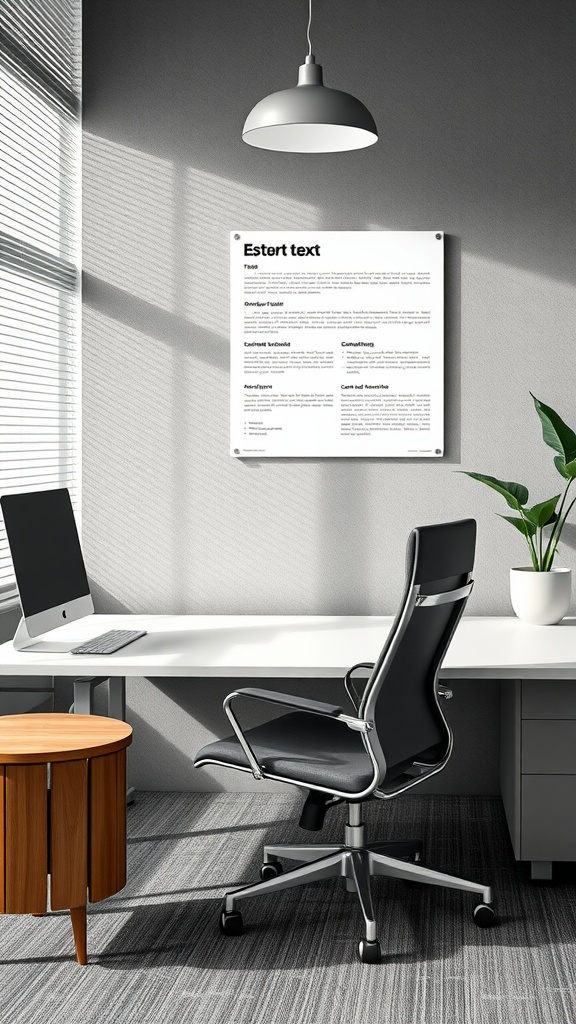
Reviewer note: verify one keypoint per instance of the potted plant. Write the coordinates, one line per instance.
(540, 592)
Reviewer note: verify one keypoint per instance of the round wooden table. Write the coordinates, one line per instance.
(62, 814)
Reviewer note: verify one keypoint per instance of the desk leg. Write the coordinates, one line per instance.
(117, 709)
(84, 696)
(541, 870)
(84, 704)
(117, 697)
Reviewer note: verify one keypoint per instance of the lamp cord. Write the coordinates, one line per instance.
(308, 29)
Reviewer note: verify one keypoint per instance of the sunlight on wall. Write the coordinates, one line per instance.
(128, 211)
(127, 463)
(214, 207)
(258, 521)
(184, 527)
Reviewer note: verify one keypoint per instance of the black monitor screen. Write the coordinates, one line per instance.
(45, 549)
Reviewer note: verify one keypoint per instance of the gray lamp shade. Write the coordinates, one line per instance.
(310, 118)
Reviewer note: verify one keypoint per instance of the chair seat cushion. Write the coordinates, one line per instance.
(307, 748)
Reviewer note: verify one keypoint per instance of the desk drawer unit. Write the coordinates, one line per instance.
(538, 770)
(548, 698)
(548, 748)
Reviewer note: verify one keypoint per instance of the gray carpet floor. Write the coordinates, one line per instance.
(156, 954)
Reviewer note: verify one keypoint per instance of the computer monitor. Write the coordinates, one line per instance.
(48, 562)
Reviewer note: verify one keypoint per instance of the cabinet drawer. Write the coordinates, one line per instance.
(548, 830)
(548, 698)
(548, 748)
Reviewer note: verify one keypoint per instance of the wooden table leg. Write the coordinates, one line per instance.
(78, 918)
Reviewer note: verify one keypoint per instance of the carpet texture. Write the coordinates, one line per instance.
(156, 955)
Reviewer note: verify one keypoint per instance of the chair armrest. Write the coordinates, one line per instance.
(351, 690)
(317, 707)
(361, 664)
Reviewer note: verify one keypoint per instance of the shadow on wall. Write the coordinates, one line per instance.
(156, 762)
(568, 539)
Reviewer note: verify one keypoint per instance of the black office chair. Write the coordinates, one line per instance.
(396, 738)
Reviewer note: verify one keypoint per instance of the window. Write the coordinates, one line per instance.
(39, 252)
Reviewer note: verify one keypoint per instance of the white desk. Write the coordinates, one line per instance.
(538, 761)
(289, 646)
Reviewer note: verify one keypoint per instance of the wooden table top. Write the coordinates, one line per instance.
(35, 739)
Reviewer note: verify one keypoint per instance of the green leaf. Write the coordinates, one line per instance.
(515, 494)
(526, 529)
(568, 471)
(561, 467)
(542, 514)
(555, 433)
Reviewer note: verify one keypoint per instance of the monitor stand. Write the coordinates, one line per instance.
(24, 642)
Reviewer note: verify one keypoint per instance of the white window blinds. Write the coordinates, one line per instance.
(39, 252)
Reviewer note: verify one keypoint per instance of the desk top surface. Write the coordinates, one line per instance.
(289, 646)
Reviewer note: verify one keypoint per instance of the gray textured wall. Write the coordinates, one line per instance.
(475, 107)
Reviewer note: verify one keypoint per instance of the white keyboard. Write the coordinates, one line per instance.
(109, 642)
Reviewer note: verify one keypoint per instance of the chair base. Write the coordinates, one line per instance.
(356, 862)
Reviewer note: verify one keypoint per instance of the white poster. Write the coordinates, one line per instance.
(337, 343)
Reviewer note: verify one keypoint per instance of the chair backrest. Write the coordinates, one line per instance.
(400, 697)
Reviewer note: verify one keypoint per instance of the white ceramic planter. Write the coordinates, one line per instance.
(540, 597)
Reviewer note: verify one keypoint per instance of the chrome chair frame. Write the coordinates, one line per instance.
(355, 860)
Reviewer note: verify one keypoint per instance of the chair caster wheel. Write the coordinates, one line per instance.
(369, 952)
(231, 922)
(484, 915)
(270, 869)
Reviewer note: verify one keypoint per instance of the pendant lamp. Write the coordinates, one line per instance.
(310, 118)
